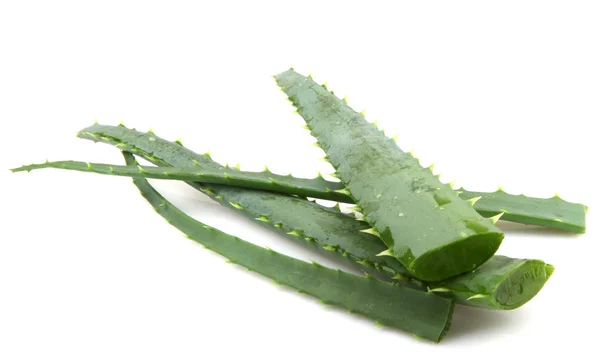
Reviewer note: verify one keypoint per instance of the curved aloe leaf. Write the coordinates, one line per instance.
(317, 187)
(336, 233)
(425, 225)
(423, 314)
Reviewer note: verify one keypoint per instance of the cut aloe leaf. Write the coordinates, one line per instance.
(424, 224)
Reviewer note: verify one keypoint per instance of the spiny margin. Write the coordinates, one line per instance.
(420, 313)
(316, 187)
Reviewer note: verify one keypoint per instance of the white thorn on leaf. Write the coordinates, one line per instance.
(473, 200)
(387, 252)
(494, 219)
(371, 231)
(479, 295)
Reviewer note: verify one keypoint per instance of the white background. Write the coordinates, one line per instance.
(497, 93)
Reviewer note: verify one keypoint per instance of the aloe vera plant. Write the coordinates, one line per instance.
(435, 234)
(422, 245)
(424, 314)
(500, 283)
(551, 212)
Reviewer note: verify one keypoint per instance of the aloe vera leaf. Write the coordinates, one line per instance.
(335, 232)
(317, 187)
(425, 225)
(552, 212)
(501, 282)
(423, 314)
